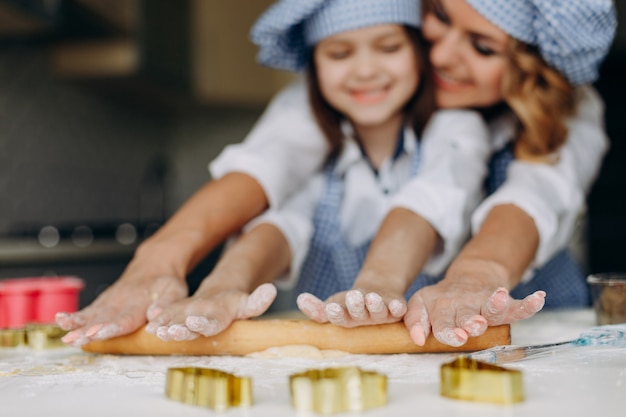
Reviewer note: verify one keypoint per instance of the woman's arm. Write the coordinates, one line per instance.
(554, 195)
(283, 149)
(156, 275)
(474, 291)
(521, 225)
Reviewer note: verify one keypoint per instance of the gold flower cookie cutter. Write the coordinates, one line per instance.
(208, 388)
(336, 390)
(472, 380)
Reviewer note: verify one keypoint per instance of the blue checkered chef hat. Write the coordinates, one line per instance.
(573, 36)
(289, 28)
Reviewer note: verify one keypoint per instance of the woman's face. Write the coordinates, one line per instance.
(368, 74)
(468, 55)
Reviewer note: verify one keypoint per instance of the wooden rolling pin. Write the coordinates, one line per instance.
(249, 336)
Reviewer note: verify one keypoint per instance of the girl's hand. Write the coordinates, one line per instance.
(356, 307)
(209, 312)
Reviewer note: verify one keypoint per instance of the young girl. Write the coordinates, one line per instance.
(365, 72)
(527, 90)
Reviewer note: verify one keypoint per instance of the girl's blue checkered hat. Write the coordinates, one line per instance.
(573, 36)
(286, 31)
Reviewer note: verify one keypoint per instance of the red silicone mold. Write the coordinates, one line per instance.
(37, 299)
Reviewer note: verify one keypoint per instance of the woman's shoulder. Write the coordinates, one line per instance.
(293, 94)
(590, 105)
(458, 128)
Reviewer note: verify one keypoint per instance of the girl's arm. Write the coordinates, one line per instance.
(401, 247)
(426, 225)
(237, 288)
(272, 245)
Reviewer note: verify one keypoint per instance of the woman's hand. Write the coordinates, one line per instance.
(122, 308)
(468, 300)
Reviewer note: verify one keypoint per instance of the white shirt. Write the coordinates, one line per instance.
(286, 147)
(553, 195)
(448, 186)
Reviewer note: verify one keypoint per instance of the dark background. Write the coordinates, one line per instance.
(606, 234)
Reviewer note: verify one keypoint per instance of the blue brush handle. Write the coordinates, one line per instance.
(610, 334)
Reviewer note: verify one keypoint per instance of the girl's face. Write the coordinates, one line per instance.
(468, 55)
(368, 74)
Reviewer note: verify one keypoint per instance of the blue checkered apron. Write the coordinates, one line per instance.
(561, 277)
(332, 264)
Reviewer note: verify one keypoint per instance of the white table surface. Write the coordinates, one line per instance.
(584, 381)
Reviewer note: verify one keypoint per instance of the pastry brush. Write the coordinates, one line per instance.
(609, 335)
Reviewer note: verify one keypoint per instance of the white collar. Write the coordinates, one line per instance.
(351, 151)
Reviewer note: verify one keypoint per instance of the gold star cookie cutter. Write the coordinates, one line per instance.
(210, 388)
(472, 380)
(336, 390)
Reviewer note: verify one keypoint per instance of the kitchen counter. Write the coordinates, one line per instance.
(583, 381)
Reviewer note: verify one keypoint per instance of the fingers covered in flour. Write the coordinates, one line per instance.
(210, 312)
(121, 309)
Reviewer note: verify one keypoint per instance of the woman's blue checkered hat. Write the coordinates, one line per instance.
(573, 36)
(289, 28)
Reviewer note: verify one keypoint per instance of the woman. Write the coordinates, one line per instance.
(260, 172)
(520, 63)
(529, 55)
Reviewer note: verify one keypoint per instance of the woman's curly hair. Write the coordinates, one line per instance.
(541, 99)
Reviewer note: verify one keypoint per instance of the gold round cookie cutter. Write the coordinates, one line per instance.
(336, 390)
(208, 388)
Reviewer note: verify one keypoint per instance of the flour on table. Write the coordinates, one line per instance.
(298, 351)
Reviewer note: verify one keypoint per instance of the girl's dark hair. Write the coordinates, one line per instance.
(417, 111)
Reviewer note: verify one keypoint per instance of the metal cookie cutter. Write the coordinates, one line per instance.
(12, 338)
(335, 390)
(44, 336)
(35, 336)
(469, 379)
(208, 388)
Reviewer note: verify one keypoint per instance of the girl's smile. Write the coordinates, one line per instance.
(370, 96)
